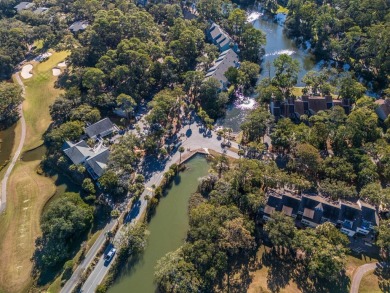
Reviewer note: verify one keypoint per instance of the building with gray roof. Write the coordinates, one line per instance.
(95, 160)
(78, 152)
(41, 10)
(97, 164)
(225, 60)
(101, 128)
(79, 26)
(312, 210)
(219, 37)
(24, 6)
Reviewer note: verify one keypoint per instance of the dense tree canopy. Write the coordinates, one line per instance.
(63, 224)
(10, 99)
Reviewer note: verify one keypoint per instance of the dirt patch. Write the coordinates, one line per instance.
(26, 71)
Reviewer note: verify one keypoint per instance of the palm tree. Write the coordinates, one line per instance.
(181, 150)
(220, 164)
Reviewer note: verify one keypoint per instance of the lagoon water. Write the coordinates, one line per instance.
(7, 138)
(168, 229)
(277, 43)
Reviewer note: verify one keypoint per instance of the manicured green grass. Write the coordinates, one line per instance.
(40, 94)
(27, 195)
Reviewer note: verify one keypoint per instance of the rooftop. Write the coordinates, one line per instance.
(23, 6)
(100, 128)
(79, 25)
(225, 60)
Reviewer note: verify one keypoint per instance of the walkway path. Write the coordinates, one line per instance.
(358, 275)
(3, 199)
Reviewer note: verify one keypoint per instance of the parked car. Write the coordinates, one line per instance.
(108, 257)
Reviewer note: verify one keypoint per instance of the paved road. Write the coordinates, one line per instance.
(153, 171)
(3, 198)
(358, 275)
(72, 282)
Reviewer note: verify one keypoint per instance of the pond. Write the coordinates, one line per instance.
(7, 138)
(167, 228)
(62, 182)
(277, 43)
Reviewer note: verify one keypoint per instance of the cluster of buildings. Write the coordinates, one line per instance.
(294, 108)
(312, 210)
(74, 27)
(306, 105)
(95, 158)
(227, 58)
(29, 6)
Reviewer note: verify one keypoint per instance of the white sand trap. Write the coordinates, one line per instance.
(43, 56)
(26, 71)
(61, 64)
(56, 71)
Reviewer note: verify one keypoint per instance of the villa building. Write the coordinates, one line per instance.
(225, 60)
(305, 105)
(94, 159)
(101, 128)
(312, 210)
(219, 37)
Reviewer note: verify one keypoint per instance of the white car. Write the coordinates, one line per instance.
(110, 254)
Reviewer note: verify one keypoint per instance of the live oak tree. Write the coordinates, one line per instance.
(174, 274)
(255, 125)
(281, 230)
(286, 74)
(10, 99)
(62, 225)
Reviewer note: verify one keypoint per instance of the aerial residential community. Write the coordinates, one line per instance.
(195, 146)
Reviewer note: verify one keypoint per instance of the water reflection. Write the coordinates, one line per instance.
(277, 43)
(7, 138)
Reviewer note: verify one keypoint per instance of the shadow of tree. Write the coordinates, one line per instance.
(383, 273)
(310, 284)
(280, 269)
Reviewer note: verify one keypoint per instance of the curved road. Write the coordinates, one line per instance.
(3, 199)
(358, 275)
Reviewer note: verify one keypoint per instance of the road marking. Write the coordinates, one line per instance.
(93, 282)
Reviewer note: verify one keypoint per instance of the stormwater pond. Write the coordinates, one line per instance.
(168, 228)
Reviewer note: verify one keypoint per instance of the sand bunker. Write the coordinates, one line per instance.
(42, 57)
(56, 71)
(26, 71)
(61, 64)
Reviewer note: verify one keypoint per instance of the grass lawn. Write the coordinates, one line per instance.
(28, 192)
(260, 277)
(20, 225)
(369, 284)
(40, 94)
(282, 9)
